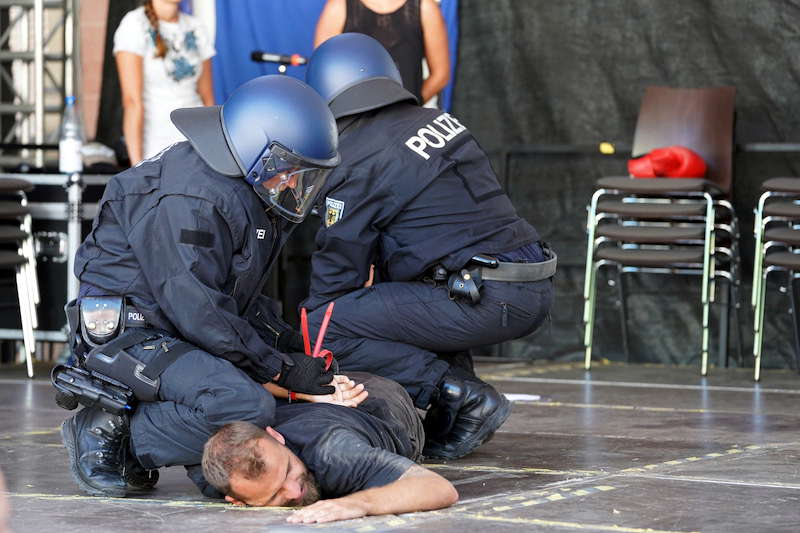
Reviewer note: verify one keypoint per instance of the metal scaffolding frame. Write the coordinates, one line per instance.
(38, 67)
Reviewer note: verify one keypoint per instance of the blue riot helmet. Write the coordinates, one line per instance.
(276, 132)
(354, 73)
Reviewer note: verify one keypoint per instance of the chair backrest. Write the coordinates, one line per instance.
(700, 119)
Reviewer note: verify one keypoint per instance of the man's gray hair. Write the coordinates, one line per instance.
(233, 449)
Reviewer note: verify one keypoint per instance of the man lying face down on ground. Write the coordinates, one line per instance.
(336, 462)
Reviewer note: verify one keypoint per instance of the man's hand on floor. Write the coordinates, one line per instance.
(328, 511)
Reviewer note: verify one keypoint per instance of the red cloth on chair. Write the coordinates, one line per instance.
(668, 162)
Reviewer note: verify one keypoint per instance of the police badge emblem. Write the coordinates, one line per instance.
(334, 209)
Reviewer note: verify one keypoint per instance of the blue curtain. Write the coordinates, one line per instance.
(281, 27)
(450, 12)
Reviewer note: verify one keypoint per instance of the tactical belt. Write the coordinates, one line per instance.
(520, 271)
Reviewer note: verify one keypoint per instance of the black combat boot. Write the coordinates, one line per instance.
(135, 475)
(94, 441)
(466, 414)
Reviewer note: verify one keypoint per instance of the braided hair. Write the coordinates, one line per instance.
(150, 12)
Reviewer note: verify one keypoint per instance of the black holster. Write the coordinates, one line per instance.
(465, 284)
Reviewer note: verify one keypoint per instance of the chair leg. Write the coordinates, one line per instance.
(737, 324)
(25, 319)
(706, 283)
(759, 249)
(794, 295)
(31, 256)
(623, 313)
(724, 324)
(758, 326)
(588, 313)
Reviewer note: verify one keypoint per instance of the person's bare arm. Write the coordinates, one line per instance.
(130, 67)
(418, 489)
(347, 393)
(205, 84)
(331, 21)
(437, 55)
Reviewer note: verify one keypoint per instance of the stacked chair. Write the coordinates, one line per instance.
(671, 226)
(777, 243)
(17, 254)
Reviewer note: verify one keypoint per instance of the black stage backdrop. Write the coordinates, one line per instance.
(573, 72)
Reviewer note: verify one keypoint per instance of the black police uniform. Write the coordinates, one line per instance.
(414, 190)
(188, 247)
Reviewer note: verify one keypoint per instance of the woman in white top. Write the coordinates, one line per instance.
(164, 62)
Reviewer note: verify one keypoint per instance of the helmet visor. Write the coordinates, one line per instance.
(286, 182)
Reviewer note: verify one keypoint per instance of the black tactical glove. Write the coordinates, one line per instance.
(307, 375)
(290, 341)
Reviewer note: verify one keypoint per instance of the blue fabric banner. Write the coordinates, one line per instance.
(281, 27)
(450, 12)
(276, 26)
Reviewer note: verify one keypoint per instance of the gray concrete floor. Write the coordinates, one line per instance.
(623, 449)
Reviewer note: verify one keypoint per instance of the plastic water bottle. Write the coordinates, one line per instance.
(70, 141)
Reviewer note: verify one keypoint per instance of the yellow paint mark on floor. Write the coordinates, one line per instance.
(571, 525)
(502, 508)
(395, 522)
(30, 433)
(555, 497)
(505, 470)
(134, 501)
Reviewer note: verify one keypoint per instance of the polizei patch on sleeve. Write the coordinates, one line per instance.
(334, 209)
(435, 134)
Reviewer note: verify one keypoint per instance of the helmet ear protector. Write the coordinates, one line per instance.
(288, 184)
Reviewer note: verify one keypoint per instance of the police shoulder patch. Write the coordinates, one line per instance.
(334, 210)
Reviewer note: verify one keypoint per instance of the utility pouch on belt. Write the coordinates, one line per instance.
(114, 361)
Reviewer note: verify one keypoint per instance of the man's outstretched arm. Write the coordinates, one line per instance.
(418, 489)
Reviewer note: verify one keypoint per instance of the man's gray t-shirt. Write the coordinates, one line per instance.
(346, 449)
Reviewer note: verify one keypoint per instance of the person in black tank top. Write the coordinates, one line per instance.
(400, 32)
(412, 30)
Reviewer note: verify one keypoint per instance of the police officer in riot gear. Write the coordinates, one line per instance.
(170, 305)
(416, 202)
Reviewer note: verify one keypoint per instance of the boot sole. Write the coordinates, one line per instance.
(492, 424)
(68, 437)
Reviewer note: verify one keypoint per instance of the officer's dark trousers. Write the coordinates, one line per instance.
(199, 394)
(394, 329)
